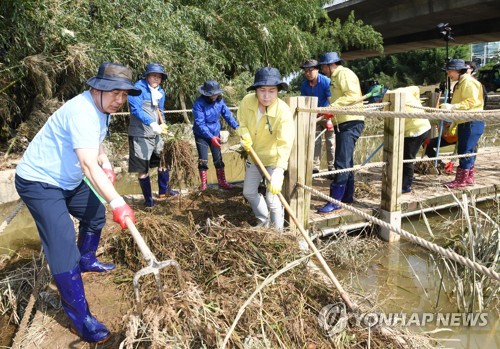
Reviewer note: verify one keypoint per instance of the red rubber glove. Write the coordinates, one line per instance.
(328, 116)
(120, 211)
(329, 125)
(108, 171)
(216, 141)
(426, 142)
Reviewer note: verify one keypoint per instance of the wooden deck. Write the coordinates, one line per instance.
(427, 192)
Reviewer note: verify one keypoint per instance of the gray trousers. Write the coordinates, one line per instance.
(329, 143)
(262, 207)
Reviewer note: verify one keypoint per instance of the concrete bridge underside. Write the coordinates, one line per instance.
(410, 25)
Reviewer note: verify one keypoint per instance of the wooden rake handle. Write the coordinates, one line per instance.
(139, 240)
(318, 255)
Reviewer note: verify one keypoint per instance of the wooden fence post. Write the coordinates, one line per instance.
(392, 175)
(301, 159)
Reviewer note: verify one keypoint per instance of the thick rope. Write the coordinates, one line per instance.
(169, 111)
(11, 216)
(490, 115)
(468, 155)
(415, 239)
(350, 169)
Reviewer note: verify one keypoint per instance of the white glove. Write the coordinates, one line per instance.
(276, 180)
(448, 106)
(156, 128)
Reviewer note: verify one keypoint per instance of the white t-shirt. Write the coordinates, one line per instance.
(51, 157)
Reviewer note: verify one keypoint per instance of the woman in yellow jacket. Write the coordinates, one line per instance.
(467, 95)
(416, 131)
(266, 125)
(346, 91)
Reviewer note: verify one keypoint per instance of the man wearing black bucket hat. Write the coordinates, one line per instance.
(266, 125)
(49, 179)
(145, 142)
(346, 90)
(467, 95)
(318, 85)
(207, 110)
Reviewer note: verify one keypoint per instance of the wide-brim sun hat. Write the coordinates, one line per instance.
(155, 68)
(310, 63)
(113, 76)
(329, 58)
(268, 76)
(210, 88)
(455, 64)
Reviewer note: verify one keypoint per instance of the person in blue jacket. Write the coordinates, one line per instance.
(207, 110)
(145, 142)
(318, 85)
(50, 181)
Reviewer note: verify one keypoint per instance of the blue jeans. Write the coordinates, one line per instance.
(346, 136)
(51, 208)
(202, 148)
(468, 137)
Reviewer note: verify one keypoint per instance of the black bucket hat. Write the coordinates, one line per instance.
(329, 58)
(155, 68)
(310, 63)
(455, 64)
(113, 76)
(210, 88)
(268, 76)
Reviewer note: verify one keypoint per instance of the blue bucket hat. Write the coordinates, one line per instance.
(113, 76)
(268, 76)
(329, 58)
(155, 68)
(455, 64)
(210, 88)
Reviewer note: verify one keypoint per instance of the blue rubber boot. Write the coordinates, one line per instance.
(83, 323)
(406, 187)
(336, 192)
(163, 187)
(87, 244)
(348, 197)
(146, 191)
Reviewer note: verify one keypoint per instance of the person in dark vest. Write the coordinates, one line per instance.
(144, 131)
(207, 110)
(50, 181)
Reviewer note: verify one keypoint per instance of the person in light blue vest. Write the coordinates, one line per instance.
(50, 181)
(144, 130)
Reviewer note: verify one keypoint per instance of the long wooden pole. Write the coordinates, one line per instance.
(327, 269)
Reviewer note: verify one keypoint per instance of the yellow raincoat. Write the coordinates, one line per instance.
(345, 90)
(468, 95)
(413, 127)
(274, 145)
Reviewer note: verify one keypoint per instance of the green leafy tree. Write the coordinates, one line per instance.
(49, 48)
(419, 67)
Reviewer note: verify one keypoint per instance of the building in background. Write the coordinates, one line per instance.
(484, 52)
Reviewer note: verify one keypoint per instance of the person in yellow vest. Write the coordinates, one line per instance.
(416, 131)
(467, 95)
(266, 125)
(346, 90)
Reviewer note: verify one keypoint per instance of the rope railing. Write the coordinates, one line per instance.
(415, 239)
(11, 216)
(350, 169)
(468, 155)
(178, 111)
(460, 116)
